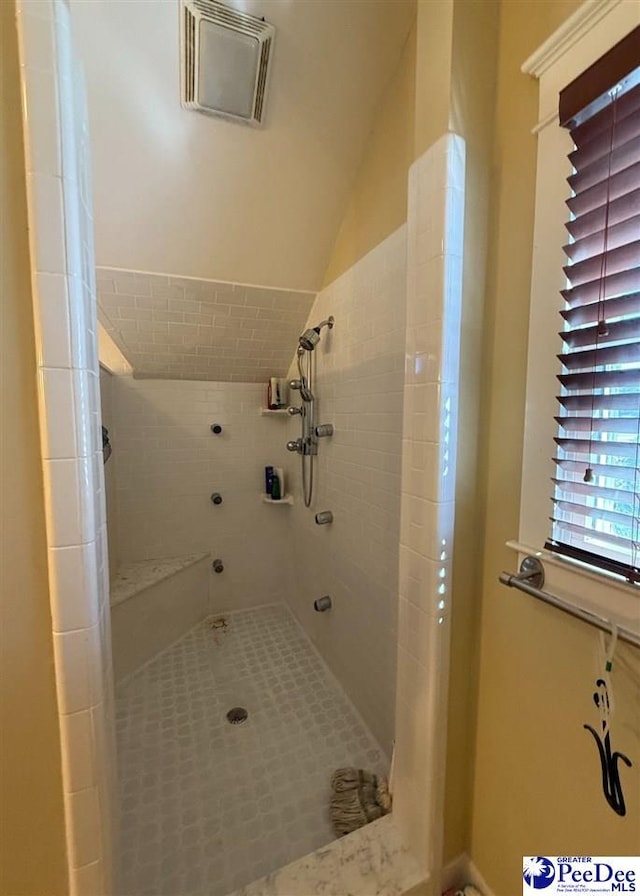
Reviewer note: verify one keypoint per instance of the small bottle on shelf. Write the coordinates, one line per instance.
(268, 480)
(273, 395)
(275, 487)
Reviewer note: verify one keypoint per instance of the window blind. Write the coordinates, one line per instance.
(596, 502)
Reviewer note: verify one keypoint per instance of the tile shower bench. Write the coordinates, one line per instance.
(153, 603)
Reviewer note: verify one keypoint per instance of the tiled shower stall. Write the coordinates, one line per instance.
(386, 378)
(167, 463)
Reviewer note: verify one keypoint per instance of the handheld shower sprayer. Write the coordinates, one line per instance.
(310, 338)
(307, 444)
(302, 385)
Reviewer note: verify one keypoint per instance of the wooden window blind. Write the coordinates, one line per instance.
(596, 502)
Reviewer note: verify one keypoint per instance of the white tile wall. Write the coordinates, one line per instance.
(434, 295)
(62, 259)
(169, 464)
(359, 380)
(184, 328)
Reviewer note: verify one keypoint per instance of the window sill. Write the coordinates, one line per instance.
(593, 590)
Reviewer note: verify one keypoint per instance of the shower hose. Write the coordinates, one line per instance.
(308, 411)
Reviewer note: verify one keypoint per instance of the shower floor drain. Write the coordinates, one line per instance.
(237, 715)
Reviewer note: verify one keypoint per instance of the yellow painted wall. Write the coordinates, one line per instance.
(537, 776)
(434, 48)
(414, 111)
(32, 844)
(473, 72)
(378, 202)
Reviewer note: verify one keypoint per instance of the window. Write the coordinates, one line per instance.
(596, 502)
(601, 577)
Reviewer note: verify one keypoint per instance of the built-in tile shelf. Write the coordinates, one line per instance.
(273, 412)
(285, 499)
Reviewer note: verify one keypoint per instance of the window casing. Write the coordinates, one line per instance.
(568, 53)
(596, 503)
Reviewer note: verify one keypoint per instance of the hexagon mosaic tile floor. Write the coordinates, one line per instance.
(208, 806)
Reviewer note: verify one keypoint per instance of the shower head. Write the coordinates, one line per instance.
(310, 338)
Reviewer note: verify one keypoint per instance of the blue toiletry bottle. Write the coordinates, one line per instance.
(268, 480)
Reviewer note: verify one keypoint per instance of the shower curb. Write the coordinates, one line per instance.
(334, 870)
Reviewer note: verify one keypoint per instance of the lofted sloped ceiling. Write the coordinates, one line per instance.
(177, 192)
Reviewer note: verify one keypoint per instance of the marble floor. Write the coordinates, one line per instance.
(207, 806)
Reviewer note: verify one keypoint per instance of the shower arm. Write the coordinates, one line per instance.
(311, 337)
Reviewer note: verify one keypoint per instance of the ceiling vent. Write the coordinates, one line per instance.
(225, 61)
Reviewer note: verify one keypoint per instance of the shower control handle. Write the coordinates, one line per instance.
(324, 430)
(295, 384)
(295, 445)
(293, 411)
(324, 517)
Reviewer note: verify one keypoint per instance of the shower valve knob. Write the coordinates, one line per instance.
(295, 445)
(325, 429)
(216, 498)
(293, 411)
(295, 384)
(324, 517)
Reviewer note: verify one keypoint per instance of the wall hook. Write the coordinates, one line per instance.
(611, 783)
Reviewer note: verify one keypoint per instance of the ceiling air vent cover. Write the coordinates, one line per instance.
(225, 60)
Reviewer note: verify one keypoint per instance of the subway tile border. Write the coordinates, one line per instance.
(185, 328)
